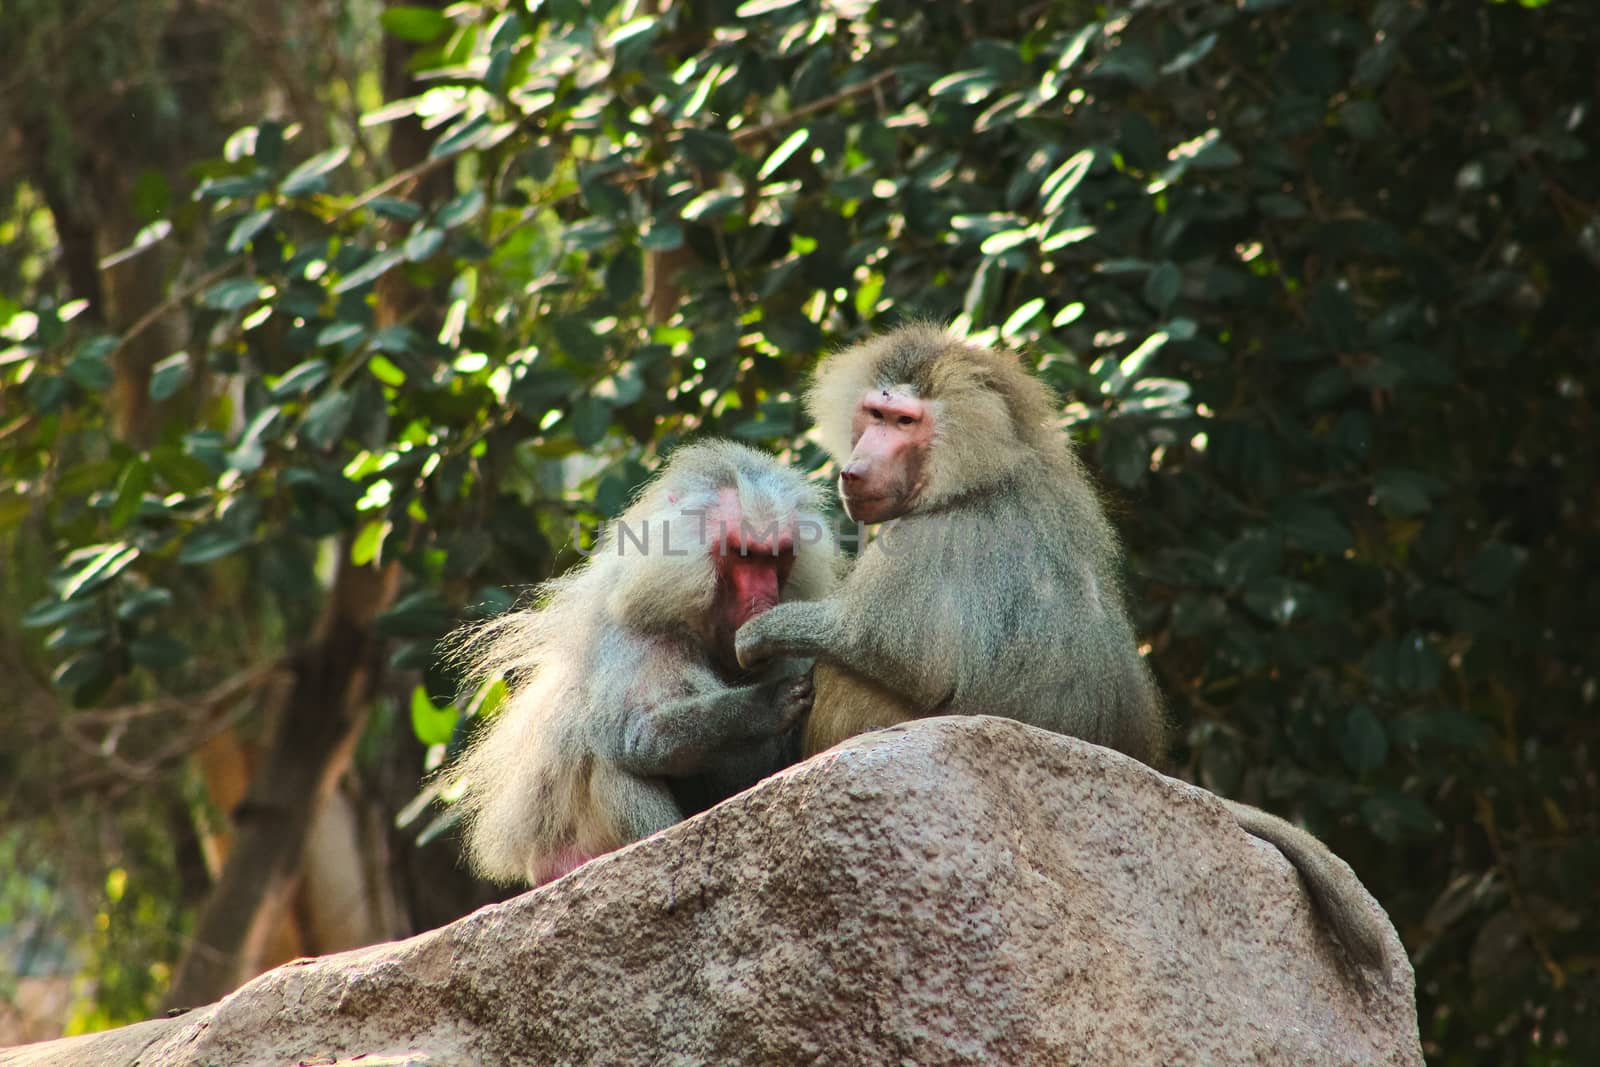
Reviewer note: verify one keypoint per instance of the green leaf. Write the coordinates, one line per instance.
(312, 175)
(327, 418)
(998, 243)
(1190, 56)
(157, 652)
(246, 229)
(712, 204)
(368, 544)
(1404, 493)
(301, 378)
(1126, 458)
(130, 493)
(423, 244)
(340, 333)
(89, 369)
(236, 187)
(152, 195)
(971, 86)
(1362, 742)
(982, 290)
(1161, 287)
(624, 276)
(1067, 315)
(709, 150)
(375, 266)
(1162, 398)
(432, 724)
(1363, 118)
(385, 370)
(169, 375)
(1070, 236)
(144, 603)
(576, 338)
(104, 564)
(661, 237)
(84, 674)
(643, 27)
(1022, 316)
(179, 469)
(1418, 667)
(1281, 206)
(208, 543)
(419, 24)
(48, 613)
(1395, 816)
(780, 155)
(235, 294)
(465, 134)
(591, 417)
(1076, 47)
(602, 197)
(422, 614)
(397, 338)
(538, 390)
(1064, 179)
(1130, 369)
(1315, 528)
(1494, 567)
(756, 8)
(464, 208)
(76, 635)
(399, 210)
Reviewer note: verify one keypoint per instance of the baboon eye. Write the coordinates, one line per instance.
(905, 420)
(876, 413)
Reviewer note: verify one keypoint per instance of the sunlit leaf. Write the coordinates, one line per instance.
(755, 8)
(169, 375)
(433, 724)
(375, 267)
(780, 155)
(245, 230)
(461, 209)
(312, 175)
(419, 24)
(1064, 179)
(104, 564)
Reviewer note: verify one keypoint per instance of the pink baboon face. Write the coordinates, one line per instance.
(890, 438)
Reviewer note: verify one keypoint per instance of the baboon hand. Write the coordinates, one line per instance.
(752, 646)
(794, 702)
(782, 699)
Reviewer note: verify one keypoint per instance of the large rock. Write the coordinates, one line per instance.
(952, 891)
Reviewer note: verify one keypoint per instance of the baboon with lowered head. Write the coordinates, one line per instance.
(996, 589)
(627, 709)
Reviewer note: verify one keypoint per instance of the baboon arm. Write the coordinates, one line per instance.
(676, 737)
(636, 805)
(798, 628)
(813, 630)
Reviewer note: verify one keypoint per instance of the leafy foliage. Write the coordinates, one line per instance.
(1315, 280)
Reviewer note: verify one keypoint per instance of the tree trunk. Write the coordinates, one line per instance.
(311, 746)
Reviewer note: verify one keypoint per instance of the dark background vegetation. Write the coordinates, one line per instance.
(323, 323)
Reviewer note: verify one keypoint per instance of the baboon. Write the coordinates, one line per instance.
(996, 589)
(627, 709)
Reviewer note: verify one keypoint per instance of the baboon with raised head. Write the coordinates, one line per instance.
(996, 589)
(627, 709)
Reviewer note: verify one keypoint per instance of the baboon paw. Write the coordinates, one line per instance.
(796, 701)
(750, 648)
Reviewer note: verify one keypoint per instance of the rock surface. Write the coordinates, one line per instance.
(952, 891)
